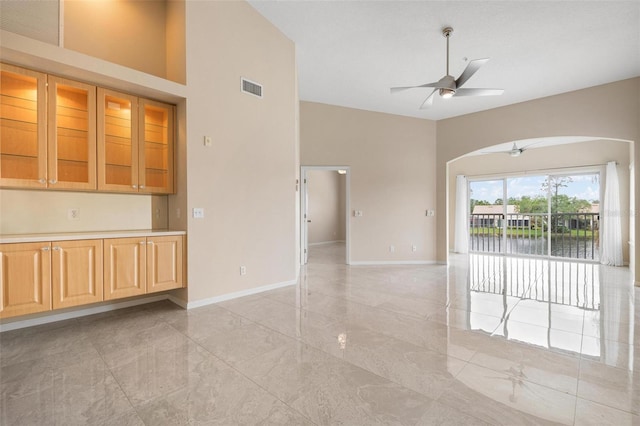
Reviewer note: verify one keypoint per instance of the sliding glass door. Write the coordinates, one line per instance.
(541, 215)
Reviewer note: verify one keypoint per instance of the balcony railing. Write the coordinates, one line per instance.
(567, 235)
(561, 282)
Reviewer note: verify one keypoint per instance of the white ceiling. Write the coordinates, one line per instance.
(350, 53)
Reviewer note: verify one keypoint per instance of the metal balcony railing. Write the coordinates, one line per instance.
(562, 282)
(567, 235)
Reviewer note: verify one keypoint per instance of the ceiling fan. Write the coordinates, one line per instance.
(447, 86)
(514, 151)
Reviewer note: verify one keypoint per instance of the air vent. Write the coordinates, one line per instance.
(251, 87)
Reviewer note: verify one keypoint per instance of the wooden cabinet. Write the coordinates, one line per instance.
(46, 144)
(23, 118)
(71, 138)
(156, 143)
(76, 272)
(135, 144)
(63, 134)
(25, 278)
(124, 267)
(135, 266)
(164, 263)
(38, 277)
(117, 141)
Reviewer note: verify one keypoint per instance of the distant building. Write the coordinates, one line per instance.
(493, 215)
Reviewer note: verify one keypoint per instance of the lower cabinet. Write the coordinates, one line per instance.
(124, 267)
(39, 277)
(25, 279)
(136, 266)
(164, 263)
(76, 272)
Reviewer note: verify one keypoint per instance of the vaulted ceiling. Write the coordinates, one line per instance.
(350, 53)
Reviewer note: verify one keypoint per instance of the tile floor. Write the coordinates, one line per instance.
(488, 340)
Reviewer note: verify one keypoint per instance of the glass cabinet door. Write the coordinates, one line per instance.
(23, 139)
(156, 147)
(72, 137)
(117, 141)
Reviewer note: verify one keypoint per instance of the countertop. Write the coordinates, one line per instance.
(95, 235)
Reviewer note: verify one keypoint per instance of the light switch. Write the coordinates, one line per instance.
(207, 141)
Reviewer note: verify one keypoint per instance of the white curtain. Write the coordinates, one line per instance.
(461, 242)
(611, 228)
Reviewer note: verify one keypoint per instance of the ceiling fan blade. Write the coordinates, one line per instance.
(399, 89)
(429, 101)
(470, 70)
(479, 92)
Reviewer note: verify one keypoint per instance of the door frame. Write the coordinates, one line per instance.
(304, 241)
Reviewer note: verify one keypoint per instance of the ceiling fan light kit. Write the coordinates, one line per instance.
(447, 93)
(448, 87)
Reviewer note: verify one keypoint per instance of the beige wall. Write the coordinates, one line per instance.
(144, 35)
(392, 162)
(608, 111)
(26, 212)
(246, 181)
(176, 44)
(248, 221)
(534, 161)
(326, 206)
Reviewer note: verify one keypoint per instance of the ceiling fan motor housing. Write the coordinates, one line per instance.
(447, 82)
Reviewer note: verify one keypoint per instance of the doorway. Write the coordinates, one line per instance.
(555, 215)
(324, 211)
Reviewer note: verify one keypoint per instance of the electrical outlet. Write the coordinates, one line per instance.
(392, 249)
(357, 213)
(198, 213)
(431, 213)
(207, 141)
(73, 214)
(243, 270)
(414, 248)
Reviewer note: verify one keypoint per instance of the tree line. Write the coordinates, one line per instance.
(560, 203)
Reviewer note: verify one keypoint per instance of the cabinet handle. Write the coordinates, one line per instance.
(150, 242)
(134, 186)
(43, 181)
(56, 248)
(53, 181)
(141, 242)
(45, 249)
(141, 186)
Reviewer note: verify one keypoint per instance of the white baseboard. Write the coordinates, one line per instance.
(392, 262)
(326, 242)
(242, 293)
(61, 316)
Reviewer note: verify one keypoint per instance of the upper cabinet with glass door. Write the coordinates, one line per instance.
(72, 137)
(135, 144)
(117, 141)
(46, 144)
(62, 134)
(23, 119)
(156, 147)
